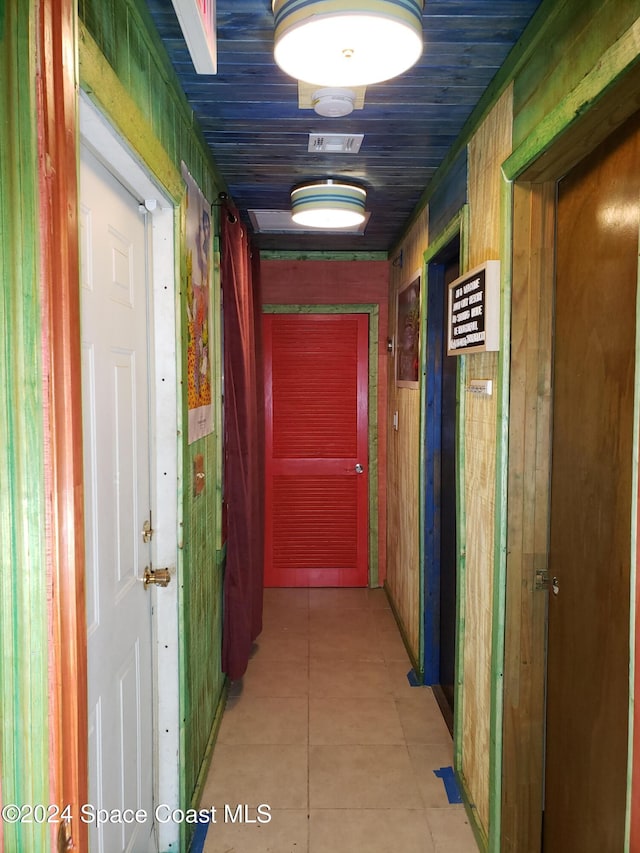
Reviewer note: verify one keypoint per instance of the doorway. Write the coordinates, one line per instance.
(591, 499)
(158, 398)
(440, 504)
(115, 379)
(317, 461)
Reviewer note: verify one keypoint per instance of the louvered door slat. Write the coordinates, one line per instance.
(316, 374)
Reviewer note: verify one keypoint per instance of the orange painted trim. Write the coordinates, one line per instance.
(59, 253)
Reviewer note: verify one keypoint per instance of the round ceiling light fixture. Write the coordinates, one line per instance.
(333, 103)
(328, 204)
(347, 42)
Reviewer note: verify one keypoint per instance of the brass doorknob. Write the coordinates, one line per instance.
(159, 577)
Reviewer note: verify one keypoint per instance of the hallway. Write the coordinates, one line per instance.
(325, 730)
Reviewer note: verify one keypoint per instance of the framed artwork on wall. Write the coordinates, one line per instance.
(407, 338)
(197, 241)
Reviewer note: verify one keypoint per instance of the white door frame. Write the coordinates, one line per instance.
(99, 135)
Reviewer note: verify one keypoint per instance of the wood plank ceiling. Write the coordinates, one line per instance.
(258, 135)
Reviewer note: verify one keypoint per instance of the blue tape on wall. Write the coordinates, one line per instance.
(450, 784)
(412, 678)
(197, 842)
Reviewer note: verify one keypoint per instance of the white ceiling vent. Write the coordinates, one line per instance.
(335, 143)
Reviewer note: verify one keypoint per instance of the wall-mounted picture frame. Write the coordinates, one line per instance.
(473, 311)
(197, 285)
(407, 337)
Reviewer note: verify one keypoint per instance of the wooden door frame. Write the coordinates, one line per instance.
(164, 317)
(57, 132)
(58, 136)
(564, 137)
(373, 311)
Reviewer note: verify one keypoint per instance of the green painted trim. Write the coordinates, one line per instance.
(373, 310)
(211, 742)
(188, 830)
(347, 308)
(422, 461)
(453, 228)
(461, 531)
(273, 255)
(535, 31)
(472, 812)
(403, 632)
(620, 58)
(102, 85)
(140, 22)
(24, 577)
(374, 524)
(500, 525)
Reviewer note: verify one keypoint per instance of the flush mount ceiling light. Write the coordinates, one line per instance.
(328, 204)
(347, 42)
(333, 103)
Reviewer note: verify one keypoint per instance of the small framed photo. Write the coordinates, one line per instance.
(407, 337)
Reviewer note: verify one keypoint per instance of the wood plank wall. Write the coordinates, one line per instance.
(487, 150)
(571, 46)
(403, 533)
(24, 585)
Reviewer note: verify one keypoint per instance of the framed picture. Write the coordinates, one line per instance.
(473, 311)
(407, 339)
(198, 244)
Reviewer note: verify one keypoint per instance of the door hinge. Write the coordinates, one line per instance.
(65, 839)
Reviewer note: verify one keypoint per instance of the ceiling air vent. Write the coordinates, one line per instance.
(335, 143)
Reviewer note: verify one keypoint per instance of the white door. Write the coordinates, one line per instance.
(115, 332)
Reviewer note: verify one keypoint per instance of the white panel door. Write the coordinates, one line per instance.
(114, 305)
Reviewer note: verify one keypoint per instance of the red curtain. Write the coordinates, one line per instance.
(244, 447)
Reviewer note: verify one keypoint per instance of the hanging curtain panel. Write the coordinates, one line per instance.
(244, 449)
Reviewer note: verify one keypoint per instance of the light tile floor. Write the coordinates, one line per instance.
(325, 729)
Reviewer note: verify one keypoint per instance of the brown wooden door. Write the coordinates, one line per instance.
(590, 544)
(316, 437)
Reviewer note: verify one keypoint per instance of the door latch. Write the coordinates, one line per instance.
(159, 577)
(147, 531)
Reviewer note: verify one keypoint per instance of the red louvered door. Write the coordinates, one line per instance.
(316, 386)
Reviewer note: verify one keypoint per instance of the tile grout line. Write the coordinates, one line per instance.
(390, 687)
